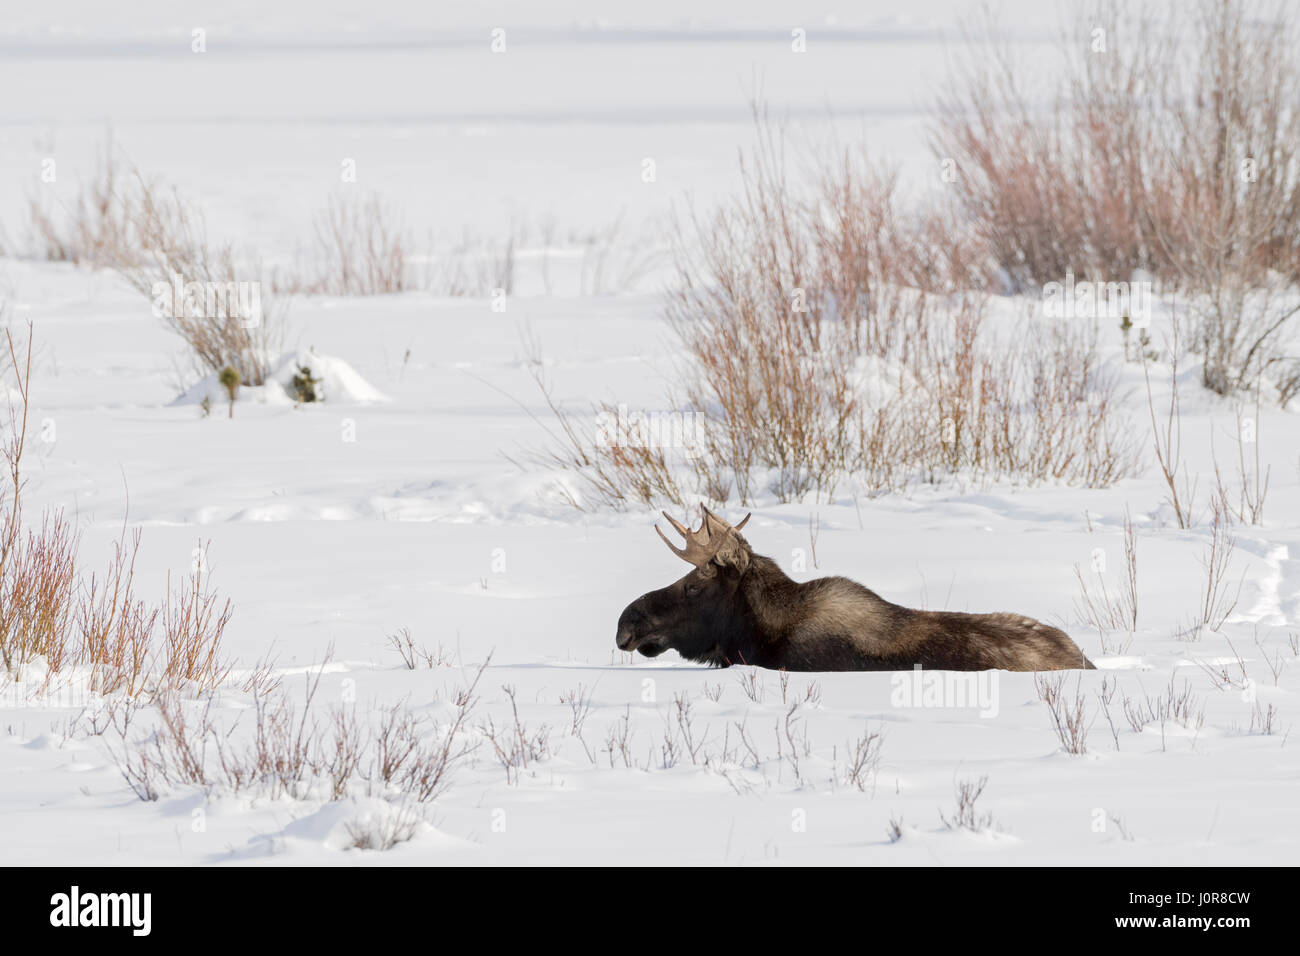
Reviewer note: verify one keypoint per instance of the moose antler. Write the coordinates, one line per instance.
(702, 545)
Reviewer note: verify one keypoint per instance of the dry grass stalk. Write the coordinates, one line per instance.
(193, 622)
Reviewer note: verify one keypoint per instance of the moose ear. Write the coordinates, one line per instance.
(732, 550)
(735, 553)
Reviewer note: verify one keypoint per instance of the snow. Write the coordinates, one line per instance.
(397, 503)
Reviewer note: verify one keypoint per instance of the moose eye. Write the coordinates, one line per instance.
(693, 589)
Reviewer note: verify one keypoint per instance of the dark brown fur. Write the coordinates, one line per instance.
(741, 608)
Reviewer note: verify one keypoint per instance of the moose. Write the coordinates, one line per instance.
(738, 607)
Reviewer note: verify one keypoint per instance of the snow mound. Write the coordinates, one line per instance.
(337, 383)
(360, 823)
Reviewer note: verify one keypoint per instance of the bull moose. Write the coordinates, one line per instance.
(738, 607)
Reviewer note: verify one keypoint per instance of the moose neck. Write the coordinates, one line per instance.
(768, 605)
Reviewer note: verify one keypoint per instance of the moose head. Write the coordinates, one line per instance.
(696, 614)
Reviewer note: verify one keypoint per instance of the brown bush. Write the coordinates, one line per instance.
(37, 591)
(1169, 146)
(91, 231)
(360, 249)
(828, 344)
(234, 320)
(194, 620)
(37, 566)
(49, 610)
(157, 240)
(117, 629)
(1057, 190)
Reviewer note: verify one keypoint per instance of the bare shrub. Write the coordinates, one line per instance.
(579, 703)
(261, 678)
(670, 749)
(117, 628)
(1180, 707)
(1055, 191)
(613, 471)
(174, 753)
(37, 596)
(1169, 150)
(219, 304)
(193, 622)
(397, 741)
(290, 751)
(340, 756)
(1105, 697)
(792, 741)
(1251, 485)
(1221, 677)
(1069, 716)
(751, 684)
(1167, 441)
(824, 345)
(616, 259)
(751, 752)
(1286, 381)
(1230, 235)
(284, 739)
(383, 830)
(1263, 720)
(777, 296)
(864, 760)
(1099, 608)
(478, 266)
(966, 816)
(684, 715)
(49, 611)
(286, 750)
(427, 774)
(1110, 645)
(92, 230)
(37, 567)
(515, 745)
(360, 249)
(404, 644)
(618, 739)
(1219, 599)
(1273, 662)
(416, 655)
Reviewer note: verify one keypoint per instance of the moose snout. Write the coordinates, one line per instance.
(625, 638)
(631, 627)
(628, 629)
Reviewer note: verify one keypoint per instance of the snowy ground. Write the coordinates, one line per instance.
(337, 524)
